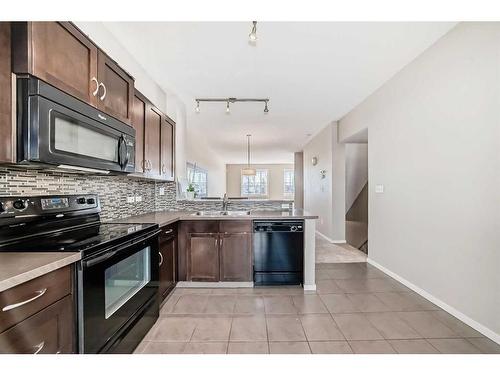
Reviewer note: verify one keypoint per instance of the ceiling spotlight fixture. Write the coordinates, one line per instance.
(231, 101)
(248, 171)
(252, 37)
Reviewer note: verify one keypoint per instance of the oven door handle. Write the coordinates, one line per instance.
(101, 258)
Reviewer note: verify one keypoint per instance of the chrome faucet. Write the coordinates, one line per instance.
(225, 201)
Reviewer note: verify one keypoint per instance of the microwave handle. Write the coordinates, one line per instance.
(123, 152)
(110, 254)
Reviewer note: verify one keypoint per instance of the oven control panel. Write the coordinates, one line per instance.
(43, 205)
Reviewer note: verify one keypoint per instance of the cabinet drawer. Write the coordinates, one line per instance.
(50, 331)
(22, 301)
(200, 226)
(235, 226)
(167, 232)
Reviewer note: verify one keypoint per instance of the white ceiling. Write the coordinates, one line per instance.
(313, 73)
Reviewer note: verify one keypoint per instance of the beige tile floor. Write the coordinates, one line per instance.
(327, 252)
(356, 309)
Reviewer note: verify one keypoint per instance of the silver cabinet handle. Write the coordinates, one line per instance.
(94, 79)
(216, 241)
(168, 231)
(39, 347)
(104, 88)
(161, 259)
(39, 293)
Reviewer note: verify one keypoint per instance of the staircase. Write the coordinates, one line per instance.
(357, 221)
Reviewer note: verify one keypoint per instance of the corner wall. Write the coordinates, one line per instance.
(434, 136)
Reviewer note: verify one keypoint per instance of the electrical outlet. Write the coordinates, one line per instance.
(138, 198)
(162, 191)
(130, 199)
(379, 189)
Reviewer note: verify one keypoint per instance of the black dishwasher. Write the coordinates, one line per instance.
(278, 249)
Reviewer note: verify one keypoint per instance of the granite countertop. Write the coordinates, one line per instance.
(17, 268)
(168, 217)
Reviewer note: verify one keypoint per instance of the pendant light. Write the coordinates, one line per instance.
(248, 171)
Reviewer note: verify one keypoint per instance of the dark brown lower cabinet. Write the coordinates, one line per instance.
(50, 331)
(235, 257)
(215, 250)
(168, 258)
(203, 255)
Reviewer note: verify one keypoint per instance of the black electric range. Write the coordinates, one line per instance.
(116, 279)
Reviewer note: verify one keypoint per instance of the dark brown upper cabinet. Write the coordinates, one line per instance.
(155, 140)
(116, 89)
(59, 54)
(152, 141)
(139, 124)
(7, 130)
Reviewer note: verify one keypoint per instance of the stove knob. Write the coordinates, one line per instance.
(293, 228)
(19, 204)
(81, 201)
(90, 201)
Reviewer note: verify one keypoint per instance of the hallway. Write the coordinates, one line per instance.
(327, 252)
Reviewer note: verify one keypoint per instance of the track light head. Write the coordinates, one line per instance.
(197, 109)
(266, 109)
(227, 108)
(252, 37)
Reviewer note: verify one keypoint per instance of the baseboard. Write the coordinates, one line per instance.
(457, 314)
(329, 239)
(220, 284)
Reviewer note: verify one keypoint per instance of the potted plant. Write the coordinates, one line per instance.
(190, 192)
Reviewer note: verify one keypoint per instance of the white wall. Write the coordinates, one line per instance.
(356, 171)
(275, 179)
(326, 197)
(200, 153)
(434, 137)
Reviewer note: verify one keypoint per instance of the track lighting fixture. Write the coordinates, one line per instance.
(252, 37)
(229, 101)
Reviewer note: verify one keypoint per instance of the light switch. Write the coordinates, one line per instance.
(138, 198)
(162, 191)
(379, 188)
(130, 199)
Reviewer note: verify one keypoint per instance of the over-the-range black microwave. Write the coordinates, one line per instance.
(56, 129)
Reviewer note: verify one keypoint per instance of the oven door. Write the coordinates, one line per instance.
(114, 285)
(58, 129)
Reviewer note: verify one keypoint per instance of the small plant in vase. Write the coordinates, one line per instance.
(190, 192)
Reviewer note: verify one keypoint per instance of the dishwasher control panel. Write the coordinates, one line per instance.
(278, 226)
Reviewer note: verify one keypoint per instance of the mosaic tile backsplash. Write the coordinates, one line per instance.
(112, 190)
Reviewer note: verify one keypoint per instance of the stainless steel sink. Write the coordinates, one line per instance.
(221, 213)
(236, 213)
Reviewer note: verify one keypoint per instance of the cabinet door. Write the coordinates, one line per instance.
(116, 89)
(49, 331)
(152, 141)
(168, 246)
(139, 124)
(167, 149)
(59, 54)
(235, 257)
(203, 257)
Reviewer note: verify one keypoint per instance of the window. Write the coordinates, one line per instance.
(198, 177)
(288, 182)
(254, 185)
